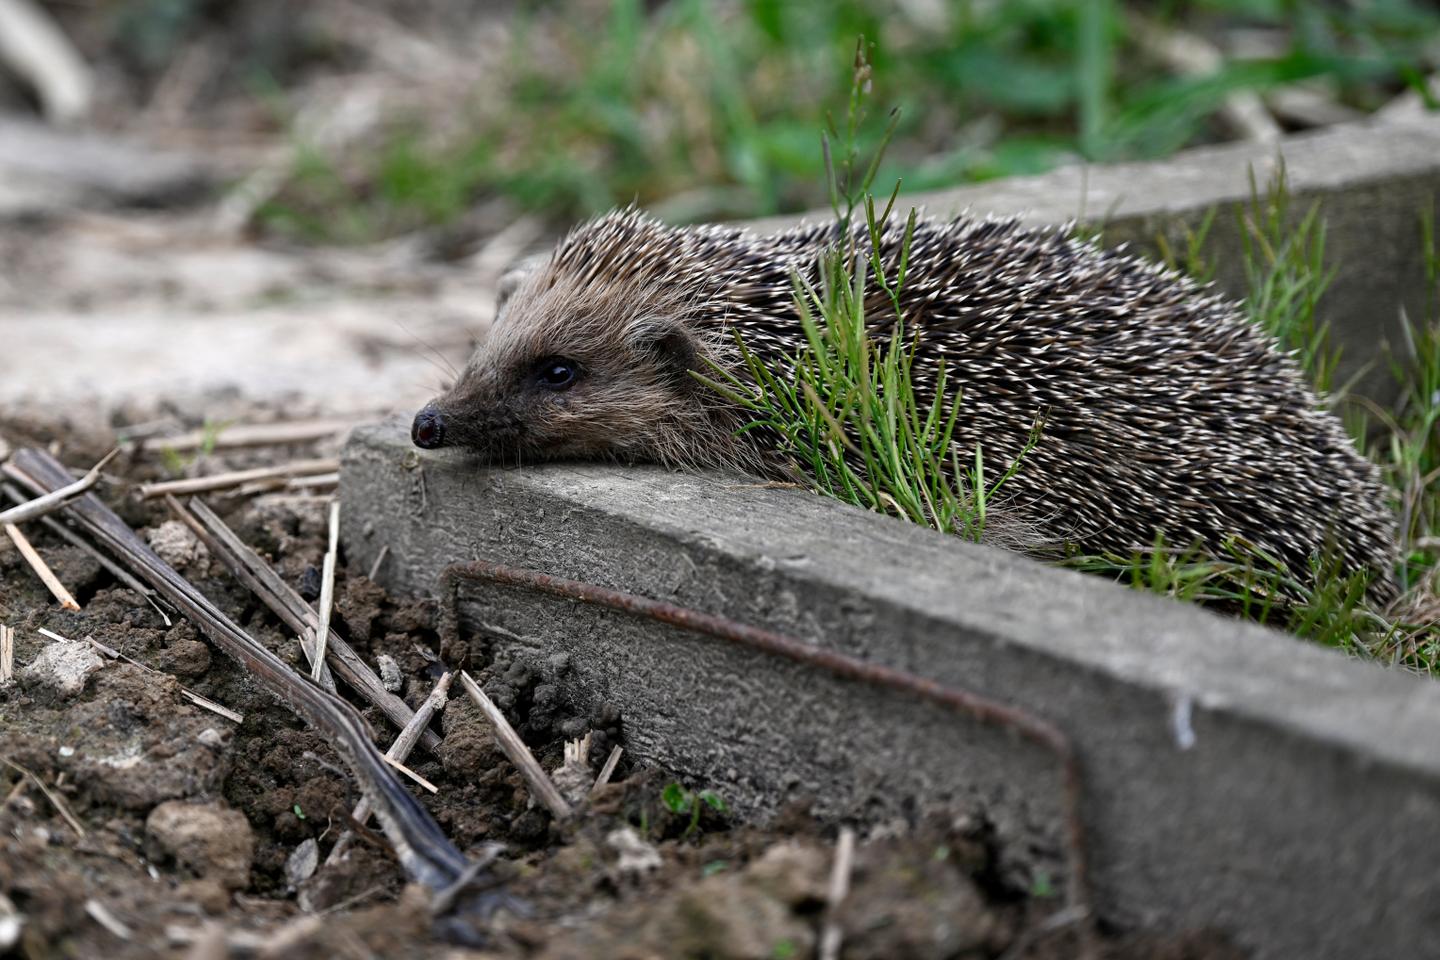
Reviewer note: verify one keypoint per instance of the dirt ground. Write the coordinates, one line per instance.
(201, 836)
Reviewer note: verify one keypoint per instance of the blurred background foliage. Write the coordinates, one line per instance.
(706, 109)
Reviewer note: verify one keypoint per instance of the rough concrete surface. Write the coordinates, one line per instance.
(1301, 819)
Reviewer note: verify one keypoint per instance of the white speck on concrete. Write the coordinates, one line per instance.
(1181, 712)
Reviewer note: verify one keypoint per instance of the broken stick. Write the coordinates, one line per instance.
(7, 654)
(251, 435)
(399, 751)
(222, 481)
(289, 606)
(327, 591)
(42, 570)
(40, 506)
(542, 788)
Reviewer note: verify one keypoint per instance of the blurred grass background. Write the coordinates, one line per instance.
(706, 110)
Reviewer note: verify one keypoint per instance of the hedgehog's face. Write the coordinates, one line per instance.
(568, 377)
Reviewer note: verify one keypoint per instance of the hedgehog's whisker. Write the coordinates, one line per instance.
(436, 358)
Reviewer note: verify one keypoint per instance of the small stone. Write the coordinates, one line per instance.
(793, 871)
(302, 862)
(12, 921)
(637, 857)
(310, 583)
(184, 658)
(574, 728)
(64, 667)
(209, 840)
(390, 677)
(177, 545)
(728, 916)
(206, 893)
(211, 738)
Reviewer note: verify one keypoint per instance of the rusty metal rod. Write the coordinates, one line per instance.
(981, 708)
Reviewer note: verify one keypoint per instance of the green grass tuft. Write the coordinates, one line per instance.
(845, 407)
(1284, 259)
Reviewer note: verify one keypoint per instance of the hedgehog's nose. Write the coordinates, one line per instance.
(428, 430)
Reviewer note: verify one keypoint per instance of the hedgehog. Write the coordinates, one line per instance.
(1165, 412)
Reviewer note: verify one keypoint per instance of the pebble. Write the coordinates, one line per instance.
(209, 840)
(64, 667)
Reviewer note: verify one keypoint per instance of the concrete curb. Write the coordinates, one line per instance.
(1303, 820)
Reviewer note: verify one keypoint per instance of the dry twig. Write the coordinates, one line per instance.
(327, 591)
(101, 914)
(326, 679)
(7, 654)
(835, 896)
(55, 799)
(399, 767)
(290, 607)
(379, 559)
(33, 45)
(70, 537)
(252, 435)
(318, 482)
(399, 751)
(40, 506)
(42, 570)
(205, 703)
(542, 788)
(608, 771)
(223, 481)
(314, 483)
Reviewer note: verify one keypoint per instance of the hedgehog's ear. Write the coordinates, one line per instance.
(672, 348)
(510, 280)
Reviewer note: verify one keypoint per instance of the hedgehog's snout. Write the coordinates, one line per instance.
(428, 430)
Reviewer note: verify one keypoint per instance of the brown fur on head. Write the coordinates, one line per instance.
(592, 357)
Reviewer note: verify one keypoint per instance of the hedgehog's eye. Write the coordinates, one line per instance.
(556, 373)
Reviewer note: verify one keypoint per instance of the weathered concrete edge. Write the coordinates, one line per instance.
(1310, 780)
(1317, 162)
(1085, 623)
